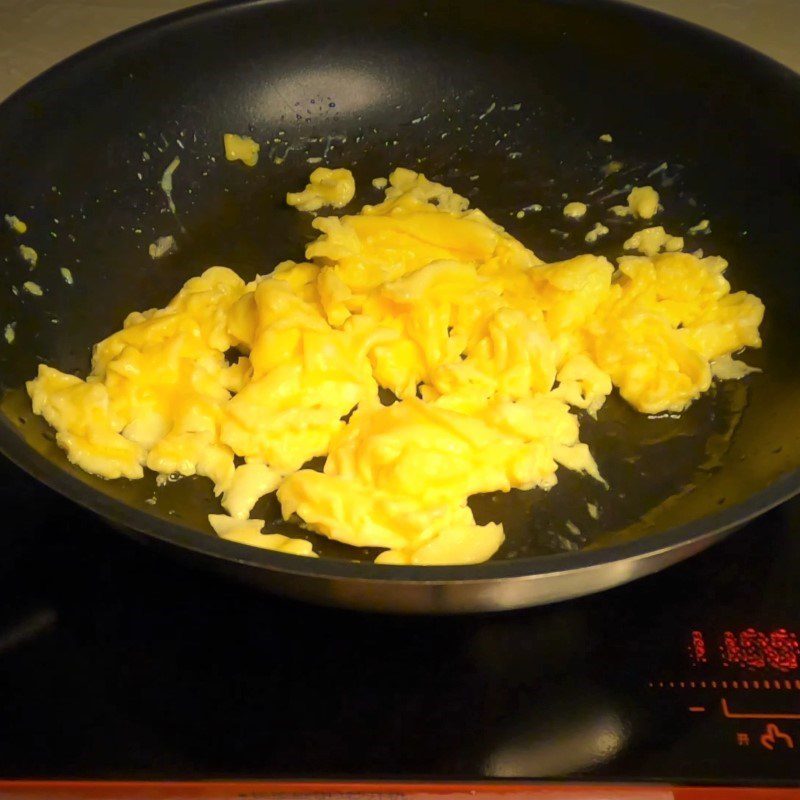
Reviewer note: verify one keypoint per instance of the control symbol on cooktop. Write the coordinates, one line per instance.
(774, 738)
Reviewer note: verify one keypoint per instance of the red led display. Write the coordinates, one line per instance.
(697, 649)
(750, 649)
(783, 651)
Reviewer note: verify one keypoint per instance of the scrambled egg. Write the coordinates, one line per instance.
(486, 353)
(15, 223)
(326, 187)
(595, 233)
(575, 209)
(29, 255)
(642, 203)
(651, 240)
(702, 227)
(241, 148)
(162, 246)
(249, 532)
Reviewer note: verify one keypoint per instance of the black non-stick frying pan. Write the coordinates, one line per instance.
(504, 101)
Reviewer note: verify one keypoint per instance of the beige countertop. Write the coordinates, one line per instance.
(35, 34)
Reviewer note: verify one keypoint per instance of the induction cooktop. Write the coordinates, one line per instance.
(118, 663)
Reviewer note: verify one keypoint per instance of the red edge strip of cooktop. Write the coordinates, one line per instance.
(297, 790)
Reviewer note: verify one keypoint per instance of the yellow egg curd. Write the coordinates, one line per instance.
(241, 148)
(485, 352)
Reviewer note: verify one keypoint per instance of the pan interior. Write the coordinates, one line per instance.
(505, 108)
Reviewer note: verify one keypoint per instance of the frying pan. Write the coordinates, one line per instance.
(506, 103)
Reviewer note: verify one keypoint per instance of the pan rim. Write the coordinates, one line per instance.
(14, 447)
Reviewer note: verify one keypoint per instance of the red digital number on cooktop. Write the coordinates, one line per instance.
(748, 649)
